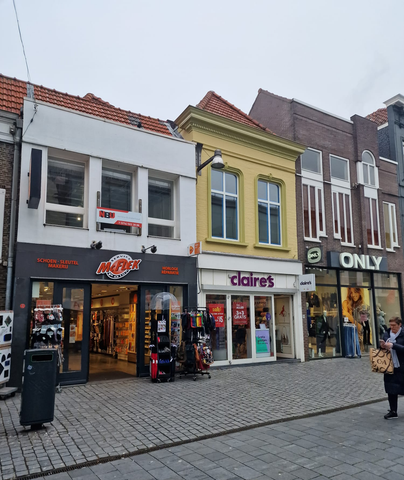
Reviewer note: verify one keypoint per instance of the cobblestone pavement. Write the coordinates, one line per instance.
(98, 421)
(355, 444)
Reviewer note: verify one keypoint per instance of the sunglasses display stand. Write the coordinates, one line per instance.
(6, 331)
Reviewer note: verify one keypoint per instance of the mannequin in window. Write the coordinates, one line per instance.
(325, 332)
(380, 319)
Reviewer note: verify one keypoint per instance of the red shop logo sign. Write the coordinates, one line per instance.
(118, 266)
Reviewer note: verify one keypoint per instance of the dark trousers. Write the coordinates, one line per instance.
(366, 333)
(393, 401)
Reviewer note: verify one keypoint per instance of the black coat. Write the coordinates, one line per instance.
(394, 384)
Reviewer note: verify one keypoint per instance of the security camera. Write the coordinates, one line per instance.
(152, 248)
(96, 245)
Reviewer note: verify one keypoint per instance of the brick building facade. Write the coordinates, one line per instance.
(348, 206)
(8, 132)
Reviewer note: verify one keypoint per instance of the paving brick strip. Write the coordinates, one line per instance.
(104, 421)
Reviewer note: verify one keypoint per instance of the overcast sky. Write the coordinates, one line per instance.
(156, 57)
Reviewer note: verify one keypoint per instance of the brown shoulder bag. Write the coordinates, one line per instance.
(381, 361)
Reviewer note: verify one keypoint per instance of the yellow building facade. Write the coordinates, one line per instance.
(246, 220)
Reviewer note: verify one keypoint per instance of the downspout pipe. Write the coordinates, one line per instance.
(13, 213)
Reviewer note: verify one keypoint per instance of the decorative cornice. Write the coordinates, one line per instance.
(195, 119)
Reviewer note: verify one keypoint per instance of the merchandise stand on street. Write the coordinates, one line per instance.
(162, 356)
(195, 352)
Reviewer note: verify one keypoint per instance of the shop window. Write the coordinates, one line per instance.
(323, 323)
(359, 322)
(390, 225)
(241, 326)
(116, 193)
(175, 314)
(339, 168)
(224, 204)
(313, 210)
(372, 222)
(42, 297)
(324, 275)
(65, 193)
(269, 213)
(161, 208)
(385, 280)
(369, 169)
(217, 307)
(311, 161)
(387, 307)
(342, 215)
(352, 277)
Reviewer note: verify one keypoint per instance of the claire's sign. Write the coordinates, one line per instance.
(118, 266)
(252, 280)
(307, 283)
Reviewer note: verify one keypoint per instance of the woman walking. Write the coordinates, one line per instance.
(393, 340)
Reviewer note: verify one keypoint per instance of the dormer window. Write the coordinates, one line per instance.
(369, 169)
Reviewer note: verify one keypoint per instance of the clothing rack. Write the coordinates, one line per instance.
(195, 352)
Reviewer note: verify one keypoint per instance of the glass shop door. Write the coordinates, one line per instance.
(284, 335)
(75, 300)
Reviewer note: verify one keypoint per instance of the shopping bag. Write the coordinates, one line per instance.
(381, 361)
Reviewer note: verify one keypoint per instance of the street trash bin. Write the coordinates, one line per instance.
(39, 386)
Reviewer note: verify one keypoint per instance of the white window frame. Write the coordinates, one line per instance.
(268, 203)
(174, 223)
(337, 181)
(345, 191)
(308, 173)
(367, 166)
(2, 205)
(318, 188)
(54, 207)
(224, 194)
(392, 225)
(371, 194)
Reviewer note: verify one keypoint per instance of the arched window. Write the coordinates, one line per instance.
(369, 167)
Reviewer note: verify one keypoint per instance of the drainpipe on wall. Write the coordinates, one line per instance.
(13, 213)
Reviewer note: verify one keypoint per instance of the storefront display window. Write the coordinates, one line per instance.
(357, 310)
(323, 275)
(323, 320)
(73, 300)
(355, 278)
(42, 296)
(387, 306)
(241, 326)
(264, 344)
(175, 314)
(149, 294)
(386, 280)
(217, 307)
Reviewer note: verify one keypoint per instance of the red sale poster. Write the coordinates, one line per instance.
(217, 310)
(240, 313)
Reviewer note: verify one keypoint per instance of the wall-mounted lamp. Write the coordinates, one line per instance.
(152, 248)
(96, 245)
(216, 160)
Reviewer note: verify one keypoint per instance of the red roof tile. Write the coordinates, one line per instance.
(13, 91)
(379, 116)
(214, 103)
